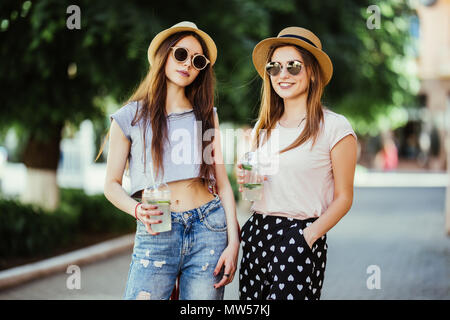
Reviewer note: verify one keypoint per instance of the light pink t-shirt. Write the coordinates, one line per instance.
(300, 181)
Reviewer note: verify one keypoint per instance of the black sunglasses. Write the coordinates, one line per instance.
(293, 67)
(198, 61)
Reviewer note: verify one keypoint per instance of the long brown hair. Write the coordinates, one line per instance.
(272, 105)
(151, 94)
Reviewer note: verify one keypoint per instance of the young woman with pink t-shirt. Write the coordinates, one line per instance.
(310, 184)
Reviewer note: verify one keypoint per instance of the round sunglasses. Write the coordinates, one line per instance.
(293, 67)
(198, 61)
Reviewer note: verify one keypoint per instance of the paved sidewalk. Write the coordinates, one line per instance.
(399, 230)
(402, 232)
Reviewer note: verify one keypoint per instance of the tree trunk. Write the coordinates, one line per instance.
(41, 158)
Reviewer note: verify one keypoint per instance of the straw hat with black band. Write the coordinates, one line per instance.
(180, 27)
(297, 36)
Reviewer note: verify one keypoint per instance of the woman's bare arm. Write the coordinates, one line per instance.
(119, 148)
(343, 159)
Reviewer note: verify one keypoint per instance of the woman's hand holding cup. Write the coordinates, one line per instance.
(147, 214)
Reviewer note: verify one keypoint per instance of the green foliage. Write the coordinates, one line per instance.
(38, 50)
(369, 76)
(95, 213)
(27, 231)
(109, 54)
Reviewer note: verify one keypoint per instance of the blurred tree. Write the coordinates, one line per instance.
(50, 75)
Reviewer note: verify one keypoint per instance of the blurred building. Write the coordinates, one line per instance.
(434, 70)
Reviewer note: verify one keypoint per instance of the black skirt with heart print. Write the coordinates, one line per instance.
(277, 263)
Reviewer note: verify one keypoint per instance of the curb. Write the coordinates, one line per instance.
(401, 179)
(18, 275)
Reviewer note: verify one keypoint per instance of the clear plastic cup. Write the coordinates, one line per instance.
(159, 195)
(253, 180)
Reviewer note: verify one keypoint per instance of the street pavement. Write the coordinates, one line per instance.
(390, 245)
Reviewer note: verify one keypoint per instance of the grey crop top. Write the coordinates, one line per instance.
(181, 158)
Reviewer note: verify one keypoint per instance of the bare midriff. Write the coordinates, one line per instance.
(187, 194)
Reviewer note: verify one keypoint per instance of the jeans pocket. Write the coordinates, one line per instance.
(216, 220)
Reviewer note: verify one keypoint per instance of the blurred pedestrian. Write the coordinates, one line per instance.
(387, 158)
(284, 241)
(203, 244)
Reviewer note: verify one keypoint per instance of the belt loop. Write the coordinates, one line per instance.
(200, 214)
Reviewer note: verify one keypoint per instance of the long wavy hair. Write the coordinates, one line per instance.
(272, 105)
(151, 95)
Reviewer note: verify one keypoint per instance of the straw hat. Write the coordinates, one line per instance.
(297, 36)
(179, 27)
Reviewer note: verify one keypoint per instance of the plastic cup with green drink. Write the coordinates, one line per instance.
(159, 194)
(253, 180)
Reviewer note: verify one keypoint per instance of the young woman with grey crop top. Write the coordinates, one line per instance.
(309, 183)
(167, 124)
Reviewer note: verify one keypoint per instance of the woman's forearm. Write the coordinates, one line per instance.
(227, 198)
(335, 212)
(118, 197)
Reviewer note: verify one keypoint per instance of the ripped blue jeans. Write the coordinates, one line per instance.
(191, 249)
